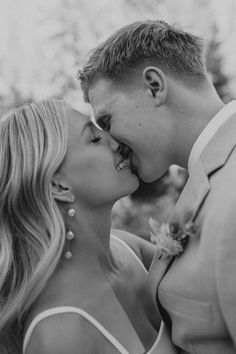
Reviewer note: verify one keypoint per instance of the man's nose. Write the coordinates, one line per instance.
(124, 150)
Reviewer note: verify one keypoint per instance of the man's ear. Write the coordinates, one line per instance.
(62, 192)
(155, 81)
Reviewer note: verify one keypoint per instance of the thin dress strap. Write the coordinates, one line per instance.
(152, 350)
(71, 309)
(130, 250)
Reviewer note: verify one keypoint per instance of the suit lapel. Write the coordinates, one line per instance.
(197, 187)
(219, 148)
(192, 196)
(212, 158)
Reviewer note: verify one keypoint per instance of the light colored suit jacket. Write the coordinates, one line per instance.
(197, 289)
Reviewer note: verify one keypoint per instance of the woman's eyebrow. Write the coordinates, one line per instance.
(86, 125)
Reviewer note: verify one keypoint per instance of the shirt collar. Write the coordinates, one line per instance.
(211, 128)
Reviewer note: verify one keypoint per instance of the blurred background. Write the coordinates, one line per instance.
(43, 43)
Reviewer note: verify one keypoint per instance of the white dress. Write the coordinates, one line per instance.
(87, 316)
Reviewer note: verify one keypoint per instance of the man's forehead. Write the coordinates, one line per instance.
(101, 97)
(99, 87)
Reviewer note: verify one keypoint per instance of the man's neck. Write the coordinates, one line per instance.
(196, 114)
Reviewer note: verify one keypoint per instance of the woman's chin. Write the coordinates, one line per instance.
(131, 187)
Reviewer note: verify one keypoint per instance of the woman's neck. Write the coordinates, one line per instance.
(91, 246)
(91, 267)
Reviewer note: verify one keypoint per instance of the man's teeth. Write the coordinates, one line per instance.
(123, 164)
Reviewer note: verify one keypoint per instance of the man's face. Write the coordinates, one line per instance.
(132, 118)
(91, 164)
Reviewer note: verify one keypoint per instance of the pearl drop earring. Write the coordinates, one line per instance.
(71, 213)
(69, 235)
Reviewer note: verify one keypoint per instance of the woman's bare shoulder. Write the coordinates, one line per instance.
(142, 247)
(131, 239)
(65, 333)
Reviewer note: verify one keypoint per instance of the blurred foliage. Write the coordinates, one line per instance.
(158, 201)
(214, 66)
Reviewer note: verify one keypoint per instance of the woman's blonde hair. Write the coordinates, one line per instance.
(33, 143)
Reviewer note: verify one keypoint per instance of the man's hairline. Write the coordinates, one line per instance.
(113, 82)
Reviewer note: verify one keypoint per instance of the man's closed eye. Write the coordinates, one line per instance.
(104, 123)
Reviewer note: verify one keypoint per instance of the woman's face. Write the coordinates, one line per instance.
(92, 163)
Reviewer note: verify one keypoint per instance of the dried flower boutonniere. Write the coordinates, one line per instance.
(171, 238)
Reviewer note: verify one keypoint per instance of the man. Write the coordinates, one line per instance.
(149, 88)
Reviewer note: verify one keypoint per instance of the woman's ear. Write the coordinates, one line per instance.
(62, 192)
(155, 81)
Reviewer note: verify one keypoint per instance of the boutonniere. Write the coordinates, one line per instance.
(171, 238)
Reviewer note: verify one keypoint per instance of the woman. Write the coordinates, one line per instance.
(67, 285)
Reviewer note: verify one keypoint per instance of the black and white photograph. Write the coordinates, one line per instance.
(117, 177)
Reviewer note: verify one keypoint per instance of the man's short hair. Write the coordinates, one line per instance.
(157, 43)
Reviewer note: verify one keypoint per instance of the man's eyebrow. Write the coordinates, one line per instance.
(86, 125)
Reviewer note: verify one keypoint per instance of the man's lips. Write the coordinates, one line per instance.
(127, 153)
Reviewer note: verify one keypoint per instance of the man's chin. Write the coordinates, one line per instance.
(149, 177)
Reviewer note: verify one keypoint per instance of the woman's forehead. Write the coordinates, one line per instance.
(76, 119)
(75, 114)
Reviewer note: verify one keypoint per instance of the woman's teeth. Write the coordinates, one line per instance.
(123, 164)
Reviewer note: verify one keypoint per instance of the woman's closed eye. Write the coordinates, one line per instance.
(95, 139)
(96, 135)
